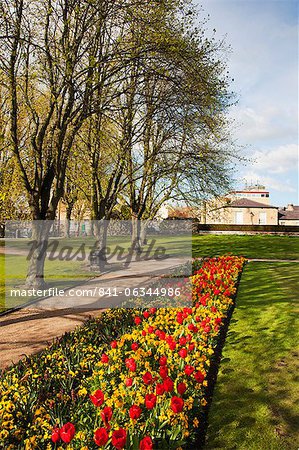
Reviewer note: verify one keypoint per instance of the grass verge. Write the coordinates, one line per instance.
(256, 404)
(252, 246)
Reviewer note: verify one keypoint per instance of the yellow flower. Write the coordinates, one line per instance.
(4, 434)
(82, 392)
(195, 422)
(80, 435)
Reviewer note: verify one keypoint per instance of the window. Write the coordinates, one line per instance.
(263, 218)
(239, 217)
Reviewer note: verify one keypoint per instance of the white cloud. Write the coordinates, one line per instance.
(264, 123)
(270, 182)
(276, 161)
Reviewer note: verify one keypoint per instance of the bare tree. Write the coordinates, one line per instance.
(54, 57)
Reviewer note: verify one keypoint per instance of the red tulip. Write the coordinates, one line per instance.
(180, 318)
(183, 353)
(160, 389)
(199, 376)
(106, 415)
(183, 340)
(168, 384)
(55, 435)
(160, 334)
(119, 438)
(163, 361)
(67, 432)
(137, 320)
(146, 314)
(97, 398)
(189, 370)
(113, 344)
(191, 347)
(150, 401)
(163, 371)
(172, 345)
(147, 378)
(101, 437)
(134, 346)
(177, 404)
(129, 382)
(131, 364)
(146, 444)
(135, 412)
(105, 358)
(181, 388)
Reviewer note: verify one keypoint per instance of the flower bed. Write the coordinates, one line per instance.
(132, 379)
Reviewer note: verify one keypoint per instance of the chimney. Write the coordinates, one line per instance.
(290, 207)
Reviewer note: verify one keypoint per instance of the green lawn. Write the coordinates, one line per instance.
(254, 246)
(256, 404)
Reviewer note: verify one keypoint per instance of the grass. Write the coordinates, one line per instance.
(256, 404)
(251, 246)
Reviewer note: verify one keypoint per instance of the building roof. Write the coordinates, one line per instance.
(246, 203)
(285, 214)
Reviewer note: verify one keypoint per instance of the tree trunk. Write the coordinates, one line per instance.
(101, 232)
(78, 227)
(136, 229)
(37, 254)
(143, 232)
(69, 210)
(2, 230)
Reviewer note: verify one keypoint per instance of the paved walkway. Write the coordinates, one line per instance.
(28, 330)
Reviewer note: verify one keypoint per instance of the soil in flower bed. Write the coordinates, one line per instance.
(132, 379)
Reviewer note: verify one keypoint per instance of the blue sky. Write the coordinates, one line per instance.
(263, 36)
